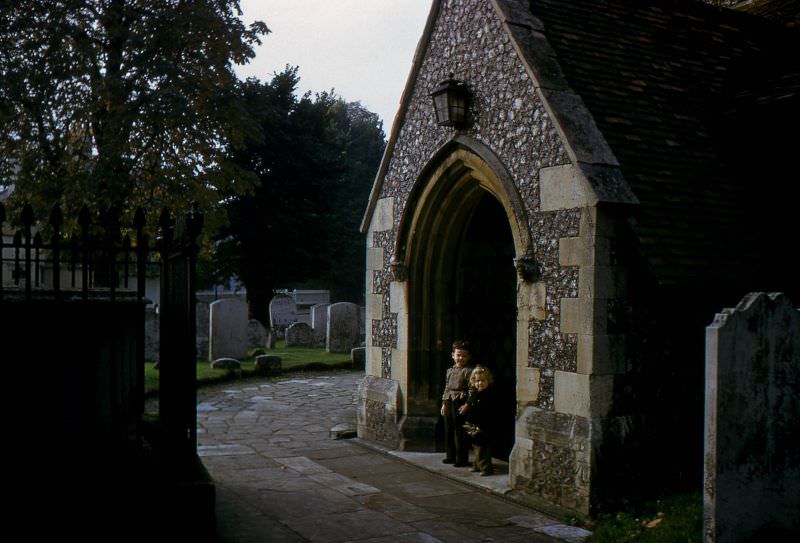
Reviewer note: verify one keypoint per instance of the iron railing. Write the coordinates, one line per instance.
(101, 257)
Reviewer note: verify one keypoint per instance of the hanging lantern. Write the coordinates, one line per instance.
(450, 100)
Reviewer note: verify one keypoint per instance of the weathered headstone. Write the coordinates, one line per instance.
(319, 323)
(359, 358)
(282, 313)
(202, 319)
(256, 334)
(227, 329)
(752, 462)
(268, 364)
(226, 364)
(343, 327)
(299, 334)
(151, 334)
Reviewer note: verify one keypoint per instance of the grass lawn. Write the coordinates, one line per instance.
(291, 358)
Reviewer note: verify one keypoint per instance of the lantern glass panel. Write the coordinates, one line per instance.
(457, 107)
(440, 105)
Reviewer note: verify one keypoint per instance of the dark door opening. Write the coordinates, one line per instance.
(486, 306)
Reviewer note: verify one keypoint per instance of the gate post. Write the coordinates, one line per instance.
(178, 357)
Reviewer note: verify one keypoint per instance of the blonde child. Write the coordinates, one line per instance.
(481, 414)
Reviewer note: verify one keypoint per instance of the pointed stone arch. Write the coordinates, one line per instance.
(464, 207)
(463, 156)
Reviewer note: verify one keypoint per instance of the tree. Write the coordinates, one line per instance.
(315, 159)
(122, 102)
(363, 133)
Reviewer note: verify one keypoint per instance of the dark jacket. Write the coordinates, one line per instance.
(482, 412)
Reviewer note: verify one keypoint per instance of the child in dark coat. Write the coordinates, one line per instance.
(481, 414)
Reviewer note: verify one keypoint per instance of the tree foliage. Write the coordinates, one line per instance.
(125, 102)
(315, 158)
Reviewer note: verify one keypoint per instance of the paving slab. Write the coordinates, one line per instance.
(396, 508)
(282, 475)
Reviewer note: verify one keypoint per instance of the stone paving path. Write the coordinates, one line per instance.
(280, 476)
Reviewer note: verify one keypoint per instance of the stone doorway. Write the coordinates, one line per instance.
(462, 284)
(486, 306)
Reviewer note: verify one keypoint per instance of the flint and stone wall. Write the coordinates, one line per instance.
(565, 357)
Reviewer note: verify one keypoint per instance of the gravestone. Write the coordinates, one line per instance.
(256, 334)
(358, 357)
(267, 364)
(752, 462)
(343, 332)
(282, 313)
(226, 364)
(319, 323)
(151, 334)
(227, 335)
(202, 319)
(299, 335)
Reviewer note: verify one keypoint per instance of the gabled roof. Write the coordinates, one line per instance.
(665, 80)
(785, 12)
(675, 88)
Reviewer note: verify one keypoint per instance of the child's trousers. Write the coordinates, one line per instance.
(456, 442)
(482, 459)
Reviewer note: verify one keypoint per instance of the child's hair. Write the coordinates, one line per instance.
(481, 370)
(461, 345)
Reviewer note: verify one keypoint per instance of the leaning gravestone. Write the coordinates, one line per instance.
(282, 313)
(752, 461)
(227, 335)
(151, 335)
(256, 334)
(202, 318)
(299, 335)
(319, 323)
(343, 327)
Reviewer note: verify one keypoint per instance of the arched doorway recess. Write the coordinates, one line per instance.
(459, 245)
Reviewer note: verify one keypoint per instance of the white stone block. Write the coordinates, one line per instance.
(563, 187)
(582, 395)
(383, 216)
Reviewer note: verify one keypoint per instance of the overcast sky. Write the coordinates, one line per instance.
(362, 49)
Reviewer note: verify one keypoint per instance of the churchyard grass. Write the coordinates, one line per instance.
(292, 358)
(672, 519)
